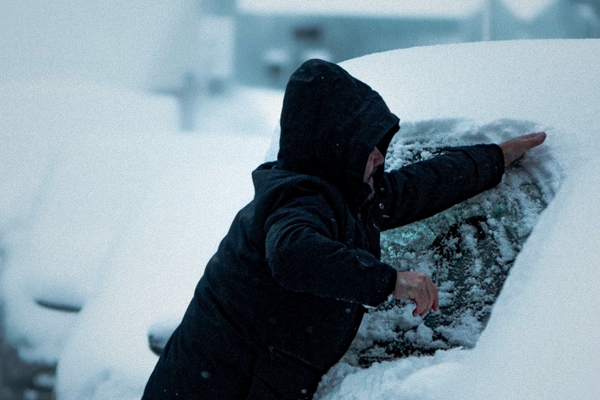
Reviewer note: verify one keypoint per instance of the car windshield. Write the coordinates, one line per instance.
(468, 249)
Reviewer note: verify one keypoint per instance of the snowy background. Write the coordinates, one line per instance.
(105, 231)
(109, 210)
(106, 221)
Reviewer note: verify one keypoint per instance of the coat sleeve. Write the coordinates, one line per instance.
(423, 189)
(304, 255)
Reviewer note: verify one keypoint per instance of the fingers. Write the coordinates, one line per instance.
(533, 139)
(514, 149)
(425, 298)
(419, 288)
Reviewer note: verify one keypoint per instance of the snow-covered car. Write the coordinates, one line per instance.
(65, 190)
(533, 239)
(156, 264)
(90, 172)
(108, 213)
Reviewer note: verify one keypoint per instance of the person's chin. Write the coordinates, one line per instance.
(371, 194)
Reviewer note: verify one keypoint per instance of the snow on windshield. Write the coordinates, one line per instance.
(468, 250)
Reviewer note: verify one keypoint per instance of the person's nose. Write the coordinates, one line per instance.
(379, 159)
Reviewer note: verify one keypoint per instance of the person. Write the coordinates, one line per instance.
(282, 298)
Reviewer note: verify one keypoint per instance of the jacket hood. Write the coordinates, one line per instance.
(330, 123)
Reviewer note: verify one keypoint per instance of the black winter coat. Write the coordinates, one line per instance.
(301, 260)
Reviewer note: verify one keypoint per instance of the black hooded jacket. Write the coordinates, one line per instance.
(303, 257)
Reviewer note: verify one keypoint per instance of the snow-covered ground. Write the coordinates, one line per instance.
(119, 223)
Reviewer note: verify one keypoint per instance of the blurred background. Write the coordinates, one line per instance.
(196, 50)
(120, 120)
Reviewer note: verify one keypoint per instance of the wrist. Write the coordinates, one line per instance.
(391, 289)
(400, 287)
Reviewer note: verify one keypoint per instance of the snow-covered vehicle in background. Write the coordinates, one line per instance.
(89, 173)
(61, 206)
(533, 240)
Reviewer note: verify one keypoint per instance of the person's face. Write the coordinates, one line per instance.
(375, 160)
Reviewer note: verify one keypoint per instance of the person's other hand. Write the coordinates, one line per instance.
(419, 288)
(515, 148)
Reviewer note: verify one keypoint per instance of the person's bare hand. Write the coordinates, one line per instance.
(515, 148)
(419, 288)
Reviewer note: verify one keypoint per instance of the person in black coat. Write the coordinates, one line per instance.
(283, 297)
